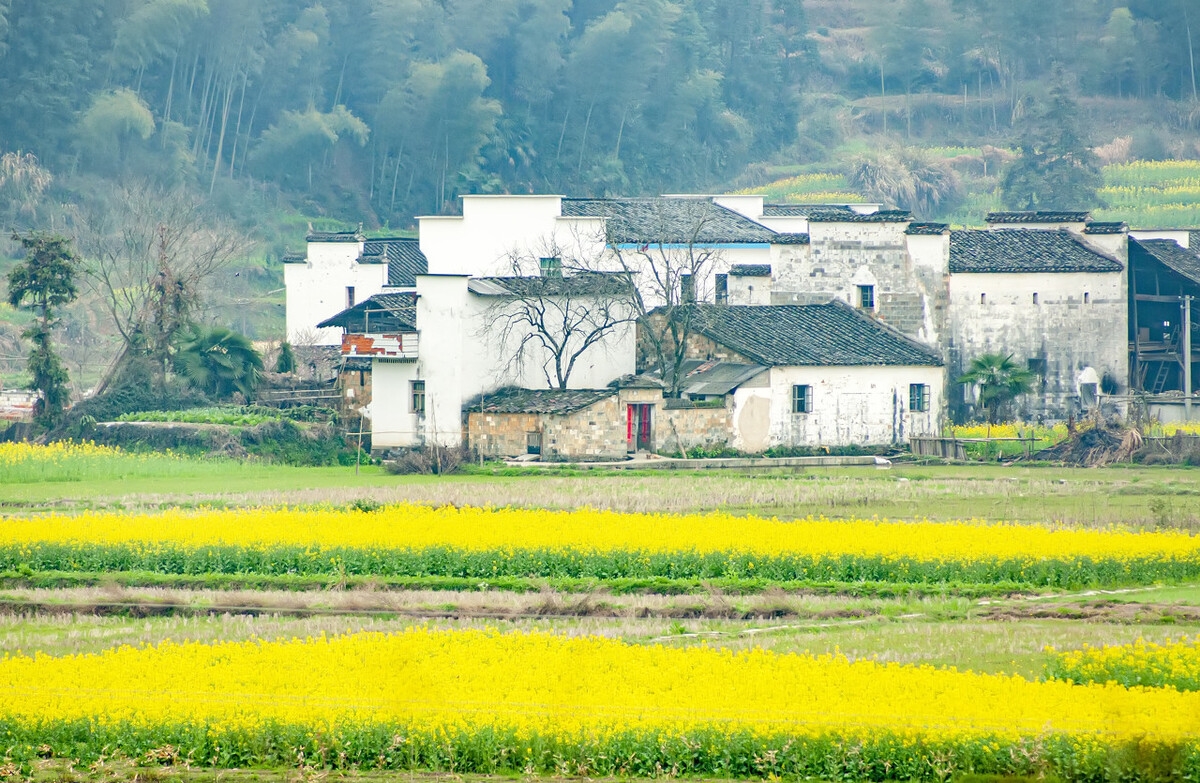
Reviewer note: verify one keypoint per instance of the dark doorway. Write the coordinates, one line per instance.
(639, 427)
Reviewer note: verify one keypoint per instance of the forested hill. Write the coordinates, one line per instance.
(381, 109)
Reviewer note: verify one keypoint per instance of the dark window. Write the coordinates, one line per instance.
(722, 296)
(1036, 366)
(866, 297)
(918, 397)
(418, 396)
(687, 289)
(983, 299)
(801, 399)
(349, 296)
(1035, 298)
(1087, 298)
(533, 443)
(550, 267)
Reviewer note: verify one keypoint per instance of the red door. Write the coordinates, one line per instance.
(638, 426)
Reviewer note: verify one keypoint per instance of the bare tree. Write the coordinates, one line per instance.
(556, 317)
(667, 247)
(148, 254)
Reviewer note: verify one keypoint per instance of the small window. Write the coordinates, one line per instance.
(1035, 298)
(918, 397)
(983, 299)
(1087, 298)
(417, 395)
(349, 296)
(687, 289)
(866, 297)
(722, 295)
(1036, 366)
(550, 267)
(801, 399)
(533, 443)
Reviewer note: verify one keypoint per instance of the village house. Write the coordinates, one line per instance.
(1050, 288)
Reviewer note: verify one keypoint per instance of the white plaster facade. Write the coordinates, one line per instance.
(319, 287)
(848, 406)
(1073, 326)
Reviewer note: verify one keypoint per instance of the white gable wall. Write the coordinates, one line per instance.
(1079, 324)
(316, 289)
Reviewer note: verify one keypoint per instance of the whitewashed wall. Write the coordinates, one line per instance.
(850, 406)
(1071, 335)
(393, 423)
(316, 289)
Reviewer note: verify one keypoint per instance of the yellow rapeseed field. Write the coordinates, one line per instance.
(537, 683)
(415, 527)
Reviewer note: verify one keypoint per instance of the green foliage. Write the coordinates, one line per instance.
(219, 362)
(42, 284)
(286, 362)
(231, 415)
(130, 392)
(1000, 381)
(278, 441)
(113, 122)
(1055, 168)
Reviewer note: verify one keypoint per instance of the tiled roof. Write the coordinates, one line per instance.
(335, 236)
(670, 220)
(1169, 254)
(1038, 216)
(402, 255)
(585, 284)
(388, 313)
(750, 270)
(882, 216)
(294, 258)
(545, 401)
(832, 334)
(1117, 227)
(786, 238)
(1024, 250)
(713, 378)
(803, 210)
(926, 229)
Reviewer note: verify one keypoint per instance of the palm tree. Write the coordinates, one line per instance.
(219, 362)
(1000, 381)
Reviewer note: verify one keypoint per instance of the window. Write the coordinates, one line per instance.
(983, 299)
(417, 389)
(722, 296)
(1036, 366)
(550, 267)
(918, 397)
(801, 399)
(350, 296)
(687, 289)
(533, 443)
(1087, 298)
(1035, 298)
(866, 297)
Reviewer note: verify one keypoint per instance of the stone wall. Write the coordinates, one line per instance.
(706, 427)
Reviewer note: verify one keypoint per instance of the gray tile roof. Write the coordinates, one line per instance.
(584, 284)
(927, 229)
(1024, 250)
(335, 236)
(785, 238)
(387, 313)
(670, 220)
(803, 210)
(750, 270)
(402, 255)
(1117, 227)
(882, 216)
(294, 258)
(832, 334)
(543, 401)
(1168, 253)
(1038, 216)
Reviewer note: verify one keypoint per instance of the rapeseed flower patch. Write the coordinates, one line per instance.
(412, 540)
(1172, 665)
(484, 701)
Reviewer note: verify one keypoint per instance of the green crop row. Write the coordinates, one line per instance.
(166, 558)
